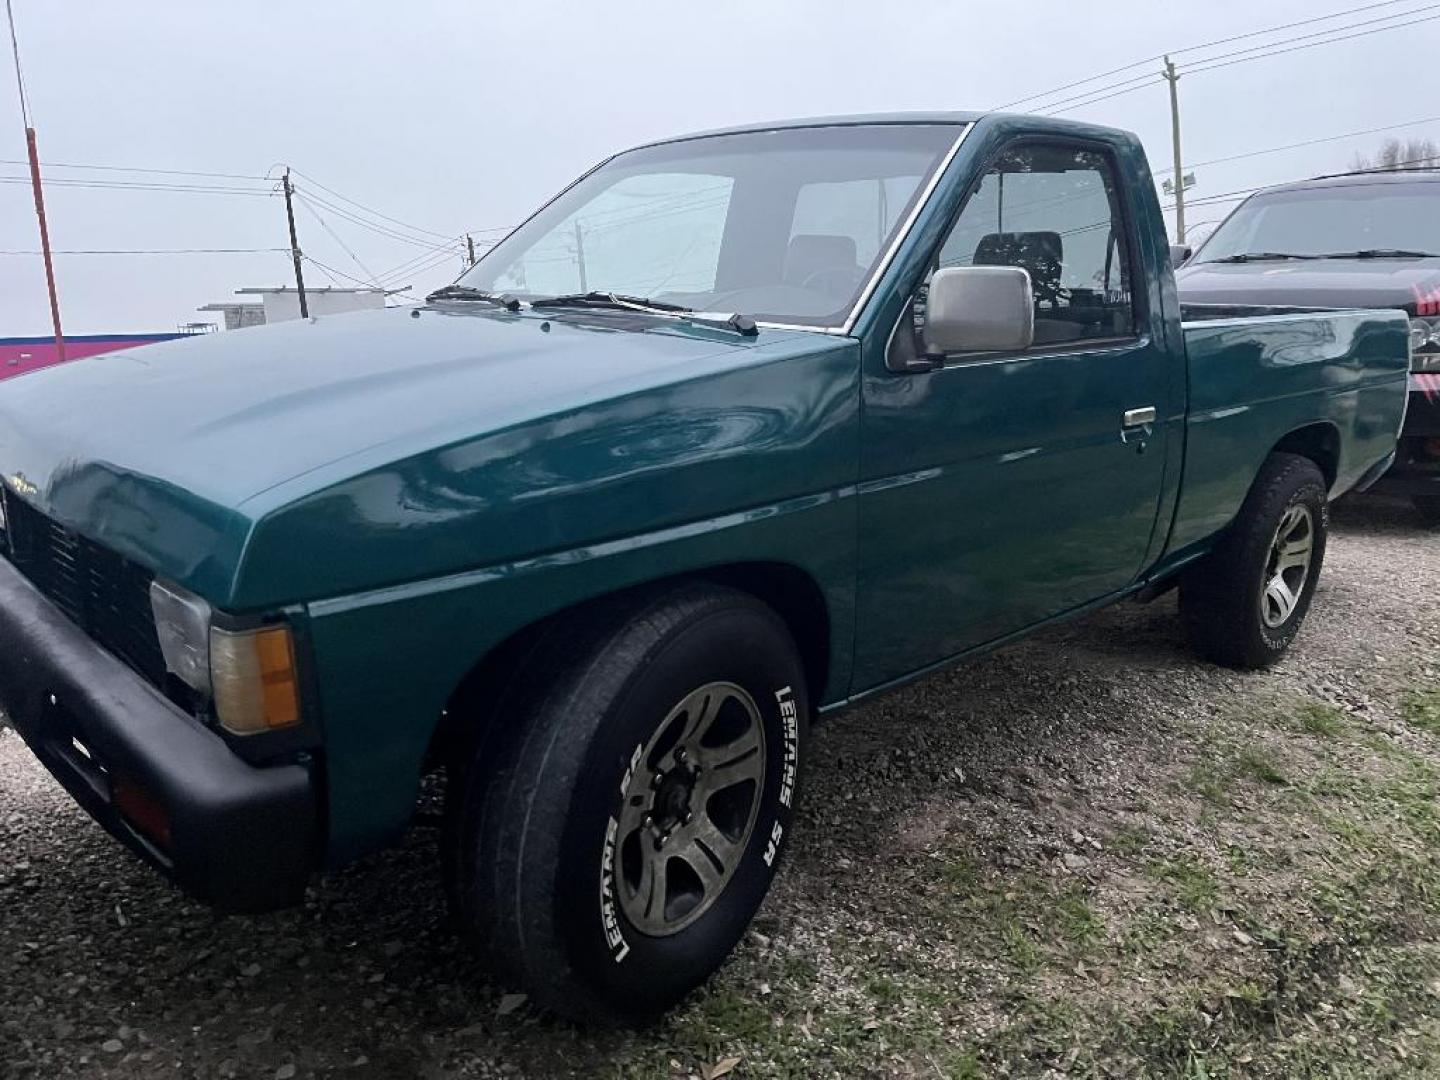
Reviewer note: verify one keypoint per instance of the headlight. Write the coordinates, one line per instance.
(182, 622)
(1425, 344)
(249, 673)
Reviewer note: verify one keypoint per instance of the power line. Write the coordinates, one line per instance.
(340, 273)
(1207, 45)
(1318, 34)
(1193, 69)
(1299, 145)
(151, 251)
(420, 263)
(1152, 81)
(1240, 193)
(1149, 76)
(137, 169)
(383, 230)
(140, 185)
(326, 226)
(368, 210)
(423, 266)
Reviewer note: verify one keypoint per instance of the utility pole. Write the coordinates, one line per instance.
(1174, 80)
(295, 245)
(34, 153)
(470, 247)
(580, 255)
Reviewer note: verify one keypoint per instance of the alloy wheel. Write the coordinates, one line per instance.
(693, 795)
(1288, 567)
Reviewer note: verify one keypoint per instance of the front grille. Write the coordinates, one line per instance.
(105, 594)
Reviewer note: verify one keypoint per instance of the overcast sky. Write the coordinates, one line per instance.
(452, 116)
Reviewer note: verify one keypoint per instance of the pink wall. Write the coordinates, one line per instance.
(19, 355)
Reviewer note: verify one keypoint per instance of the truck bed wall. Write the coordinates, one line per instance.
(1253, 381)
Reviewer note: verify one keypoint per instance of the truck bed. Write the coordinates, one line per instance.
(1330, 375)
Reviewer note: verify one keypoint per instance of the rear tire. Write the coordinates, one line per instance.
(1428, 507)
(1244, 603)
(610, 851)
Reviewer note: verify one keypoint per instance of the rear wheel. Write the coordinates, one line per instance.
(1428, 507)
(612, 851)
(1244, 603)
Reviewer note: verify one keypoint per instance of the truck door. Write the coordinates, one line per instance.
(1001, 489)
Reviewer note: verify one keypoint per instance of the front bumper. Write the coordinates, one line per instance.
(237, 836)
(1417, 471)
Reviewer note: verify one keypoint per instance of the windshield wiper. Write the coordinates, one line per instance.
(1380, 253)
(607, 300)
(1260, 256)
(465, 292)
(741, 324)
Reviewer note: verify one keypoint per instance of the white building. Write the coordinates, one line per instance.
(279, 304)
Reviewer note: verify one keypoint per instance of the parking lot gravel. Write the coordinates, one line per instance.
(1086, 854)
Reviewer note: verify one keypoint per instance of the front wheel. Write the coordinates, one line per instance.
(611, 854)
(1243, 603)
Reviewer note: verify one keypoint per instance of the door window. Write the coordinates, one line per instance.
(1055, 211)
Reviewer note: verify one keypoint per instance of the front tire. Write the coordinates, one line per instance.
(1243, 603)
(611, 853)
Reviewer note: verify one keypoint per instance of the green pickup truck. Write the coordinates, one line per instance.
(739, 429)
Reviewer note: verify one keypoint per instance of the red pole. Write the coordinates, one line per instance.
(45, 241)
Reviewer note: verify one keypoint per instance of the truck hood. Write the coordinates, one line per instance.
(1339, 283)
(172, 452)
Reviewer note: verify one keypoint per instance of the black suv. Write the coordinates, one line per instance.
(1358, 240)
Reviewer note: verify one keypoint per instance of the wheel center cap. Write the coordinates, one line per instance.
(673, 798)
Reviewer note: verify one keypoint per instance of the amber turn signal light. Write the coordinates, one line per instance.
(252, 673)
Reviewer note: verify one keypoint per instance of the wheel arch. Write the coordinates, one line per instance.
(1318, 441)
(791, 592)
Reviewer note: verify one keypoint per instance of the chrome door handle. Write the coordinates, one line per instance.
(1137, 417)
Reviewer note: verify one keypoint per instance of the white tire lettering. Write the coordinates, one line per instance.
(610, 922)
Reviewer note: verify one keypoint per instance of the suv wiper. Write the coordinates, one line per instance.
(607, 300)
(1260, 256)
(465, 292)
(1380, 253)
(741, 324)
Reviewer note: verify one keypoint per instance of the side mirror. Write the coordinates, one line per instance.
(1178, 254)
(979, 309)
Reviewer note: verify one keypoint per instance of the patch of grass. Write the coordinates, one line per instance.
(1129, 839)
(1317, 718)
(1019, 945)
(1211, 782)
(885, 990)
(1075, 918)
(1194, 885)
(960, 874)
(1421, 710)
(963, 1065)
(1254, 763)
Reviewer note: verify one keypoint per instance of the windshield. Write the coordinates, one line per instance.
(1364, 216)
(784, 225)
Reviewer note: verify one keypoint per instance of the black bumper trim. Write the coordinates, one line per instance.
(242, 838)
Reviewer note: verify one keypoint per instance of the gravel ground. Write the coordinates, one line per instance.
(1087, 854)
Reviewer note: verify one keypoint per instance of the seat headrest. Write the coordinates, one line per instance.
(1027, 249)
(810, 253)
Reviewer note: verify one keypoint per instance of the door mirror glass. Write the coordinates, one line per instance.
(979, 309)
(1178, 254)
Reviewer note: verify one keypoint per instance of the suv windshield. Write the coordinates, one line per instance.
(1366, 216)
(784, 225)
